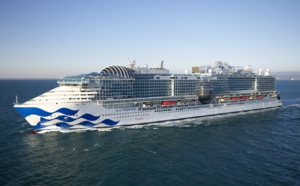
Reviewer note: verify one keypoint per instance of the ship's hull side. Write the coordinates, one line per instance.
(92, 115)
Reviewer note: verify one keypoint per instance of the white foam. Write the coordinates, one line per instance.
(152, 152)
(45, 131)
(104, 129)
(292, 105)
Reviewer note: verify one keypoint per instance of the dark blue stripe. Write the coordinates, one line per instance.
(88, 117)
(63, 125)
(26, 111)
(109, 122)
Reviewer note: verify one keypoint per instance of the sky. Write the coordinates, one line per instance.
(55, 38)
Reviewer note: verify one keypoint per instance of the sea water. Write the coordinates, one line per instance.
(248, 148)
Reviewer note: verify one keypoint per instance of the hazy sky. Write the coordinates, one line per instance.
(49, 39)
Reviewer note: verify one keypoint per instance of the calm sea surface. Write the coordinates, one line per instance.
(252, 148)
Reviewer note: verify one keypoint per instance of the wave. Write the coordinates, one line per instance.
(109, 122)
(87, 124)
(26, 111)
(88, 117)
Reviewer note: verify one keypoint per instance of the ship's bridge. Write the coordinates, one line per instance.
(120, 71)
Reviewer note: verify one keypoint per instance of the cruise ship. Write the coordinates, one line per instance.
(130, 95)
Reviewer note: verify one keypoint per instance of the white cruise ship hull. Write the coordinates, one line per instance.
(91, 115)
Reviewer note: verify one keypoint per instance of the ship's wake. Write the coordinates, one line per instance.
(297, 105)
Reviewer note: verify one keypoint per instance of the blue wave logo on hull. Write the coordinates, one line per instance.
(26, 111)
(63, 125)
(39, 126)
(109, 122)
(64, 119)
(89, 117)
(87, 124)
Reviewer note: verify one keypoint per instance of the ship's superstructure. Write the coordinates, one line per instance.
(120, 95)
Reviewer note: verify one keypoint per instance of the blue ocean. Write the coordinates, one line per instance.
(248, 148)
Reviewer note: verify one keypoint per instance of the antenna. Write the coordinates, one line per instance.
(161, 66)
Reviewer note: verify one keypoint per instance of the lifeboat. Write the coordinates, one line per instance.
(168, 103)
(149, 105)
(182, 102)
(235, 98)
(260, 96)
(243, 98)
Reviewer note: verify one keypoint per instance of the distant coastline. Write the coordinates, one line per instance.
(29, 79)
(293, 75)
